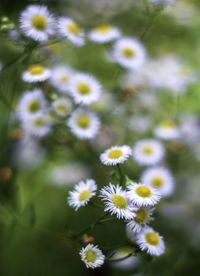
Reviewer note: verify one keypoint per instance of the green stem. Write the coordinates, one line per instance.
(121, 175)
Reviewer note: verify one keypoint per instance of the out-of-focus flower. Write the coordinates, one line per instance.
(36, 73)
(92, 256)
(37, 22)
(60, 77)
(129, 262)
(82, 193)
(62, 107)
(115, 155)
(162, 2)
(104, 34)
(167, 130)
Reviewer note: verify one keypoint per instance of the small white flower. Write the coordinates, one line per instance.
(116, 201)
(84, 124)
(37, 22)
(68, 28)
(62, 107)
(151, 241)
(104, 33)
(38, 125)
(148, 152)
(31, 103)
(160, 178)
(60, 78)
(143, 215)
(82, 193)
(167, 131)
(129, 53)
(143, 195)
(36, 73)
(115, 155)
(92, 256)
(85, 89)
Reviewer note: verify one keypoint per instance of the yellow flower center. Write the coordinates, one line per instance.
(119, 201)
(90, 256)
(36, 69)
(83, 121)
(39, 22)
(115, 153)
(167, 124)
(84, 195)
(152, 238)
(147, 150)
(103, 28)
(157, 182)
(39, 122)
(63, 79)
(61, 108)
(73, 28)
(34, 106)
(143, 191)
(83, 88)
(141, 216)
(128, 52)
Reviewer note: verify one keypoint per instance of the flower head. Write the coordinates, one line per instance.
(60, 78)
(62, 107)
(104, 33)
(36, 73)
(92, 256)
(115, 155)
(167, 131)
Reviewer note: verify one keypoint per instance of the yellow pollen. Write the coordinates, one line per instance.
(147, 150)
(119, 201)
(143, 191)
(34, 106)
(39, 22)
(83, 88)
(90, 256)
(73, 28)
(36, 69)
(39, 122)
(141, 216)
(61, 108)
(152, 238)
(83, 121)
(103, 28)
(84, 195)
(115, 153)
(157, 182)
(128, 52)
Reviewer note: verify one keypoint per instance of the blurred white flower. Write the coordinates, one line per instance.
(36, 73)
(60, 78)
(104, 34)
(62, 107)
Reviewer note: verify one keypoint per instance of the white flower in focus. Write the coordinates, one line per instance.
(60, 78)
(115, 155)
(68, 28)
(31, 103)
(129, 53)
(37, 22)
(84, 89)
(143, 215)
(151, 241)
(82, 193)
(148, 152)
(104, 34)
(62, 107)
(143, 195)
(160, 178)
(84, 124)
(116, 201)
(36, 73)
(92, 256)
(167, 130)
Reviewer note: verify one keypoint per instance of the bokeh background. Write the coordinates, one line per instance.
(35, 178)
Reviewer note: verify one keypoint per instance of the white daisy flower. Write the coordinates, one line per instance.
(104, 33)
(160, 178)
(167, 131)
(143, 215)
(38, 125)
(84, 124)
(37, 22)
(68, 28)
(31, 103)
(151, 241)
(60, 78)
(85, 89)
(92, 256)
(129, 53)
(148, 152)
(36, 73)
(116, 201)
(82, 193)
(115, 155)
(62, 107)
(142, 195)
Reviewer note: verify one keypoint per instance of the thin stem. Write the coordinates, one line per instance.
(121, 175)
